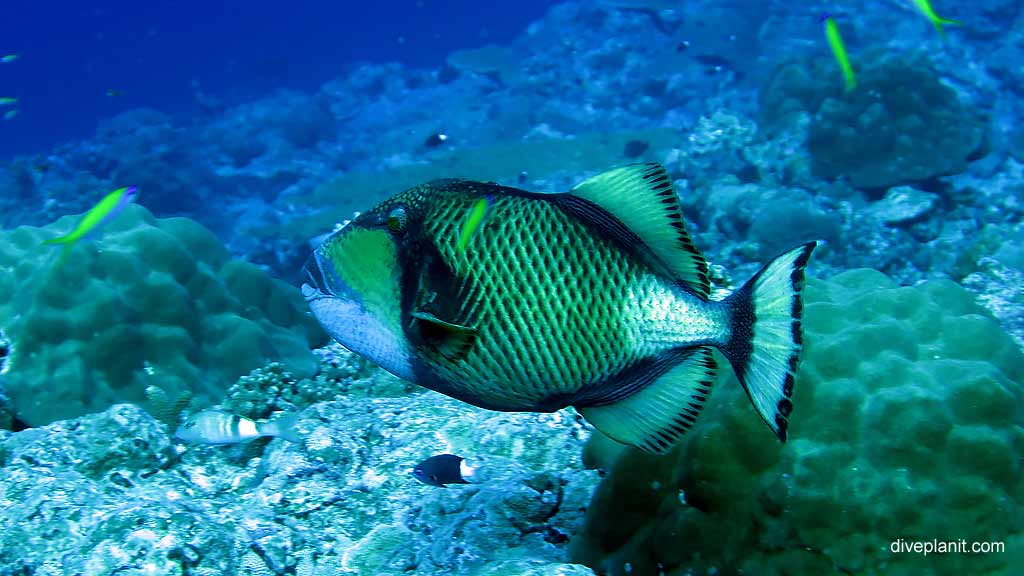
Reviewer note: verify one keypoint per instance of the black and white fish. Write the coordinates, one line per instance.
(444, 469)
(216, 427)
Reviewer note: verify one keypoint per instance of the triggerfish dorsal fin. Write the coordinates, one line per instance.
(655, 417)
(642, 198)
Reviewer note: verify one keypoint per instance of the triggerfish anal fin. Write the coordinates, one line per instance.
(835, 42)
(641, 198)
(104, 210)
(655, 417)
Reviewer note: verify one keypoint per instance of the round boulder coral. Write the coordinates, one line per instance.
(152, 304)
(907, 427)
(900, 125)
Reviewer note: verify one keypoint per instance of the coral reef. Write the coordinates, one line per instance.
(152, 303)
(6, 411)
(998, 277)
(273, 388)
(907, 424)
(761, 220)
(344, 501)
(900, 125)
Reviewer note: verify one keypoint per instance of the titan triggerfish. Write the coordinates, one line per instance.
(594, 298)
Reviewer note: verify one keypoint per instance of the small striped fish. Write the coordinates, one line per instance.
(216, 427)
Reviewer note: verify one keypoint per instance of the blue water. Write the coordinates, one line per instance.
(159, 54)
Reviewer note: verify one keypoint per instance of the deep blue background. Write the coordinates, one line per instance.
(153, 51)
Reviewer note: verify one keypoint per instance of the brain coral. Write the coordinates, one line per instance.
(907, 425)
(901, 124)
(153, 303)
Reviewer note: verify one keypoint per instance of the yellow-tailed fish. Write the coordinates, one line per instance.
(106, 209)
(835, 41)
(474, 219)
(925, 6)
(594, 298)
(9, 58)
(8, 101)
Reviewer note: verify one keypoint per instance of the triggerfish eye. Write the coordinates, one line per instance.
(397, 220)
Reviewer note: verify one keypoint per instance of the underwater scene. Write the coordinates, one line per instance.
(605, 287)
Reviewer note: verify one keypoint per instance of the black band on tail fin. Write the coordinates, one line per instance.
(767, 335)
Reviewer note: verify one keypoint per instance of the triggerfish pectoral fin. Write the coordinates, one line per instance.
(450, 340)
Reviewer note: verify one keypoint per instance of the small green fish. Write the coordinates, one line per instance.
(594, 298)
(925, 6)
(8, 101)
(9, 58)
(11, 114)
(106, 209)
(216, 427)
(835, 41)
(474, 219)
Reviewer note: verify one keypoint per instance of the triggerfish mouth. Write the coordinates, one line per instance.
(594, 298)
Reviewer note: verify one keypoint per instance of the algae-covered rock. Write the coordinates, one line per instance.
(907, 425)
(110, 493)
(152, 303)
(773, 218)
(490, 60)
(79, 485)
(904, 205)
(900, 125)
(273, 388)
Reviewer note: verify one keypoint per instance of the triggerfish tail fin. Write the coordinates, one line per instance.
(283, 427)
(656, 417)
(835, 42)
(767, 336)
